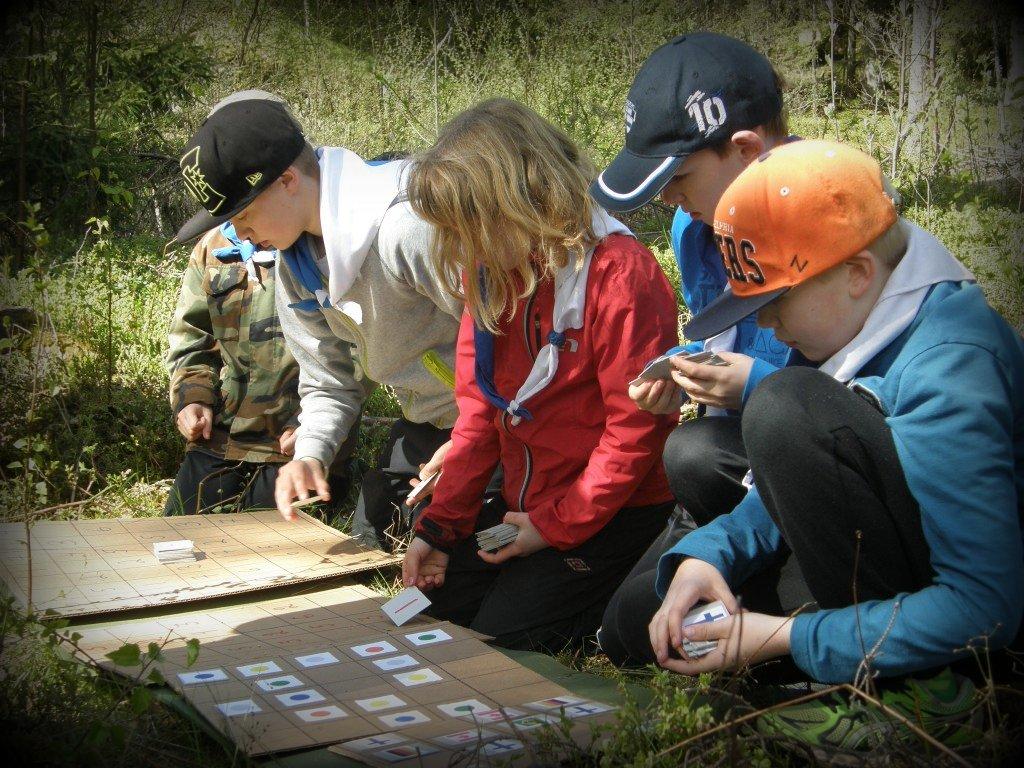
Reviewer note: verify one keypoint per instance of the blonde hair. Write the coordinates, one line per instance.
(507, 191)
(890, 246)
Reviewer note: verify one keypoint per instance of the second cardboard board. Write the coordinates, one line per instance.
(84, 567)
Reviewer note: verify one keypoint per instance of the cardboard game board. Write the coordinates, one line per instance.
(94, 566)
(328, 667)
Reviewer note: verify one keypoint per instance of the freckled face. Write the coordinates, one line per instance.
(816, 317)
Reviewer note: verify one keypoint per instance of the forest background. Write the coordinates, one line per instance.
(97, 98)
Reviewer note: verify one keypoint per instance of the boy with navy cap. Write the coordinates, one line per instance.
(358, 299)
(702, 107)
(908, 374)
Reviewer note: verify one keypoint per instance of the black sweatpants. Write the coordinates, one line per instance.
(552, 599)
(209, 483)
(826, 467)
(381, 516)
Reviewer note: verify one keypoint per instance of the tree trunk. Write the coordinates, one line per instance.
(90, 85)
(1015, 74)
(305, 16)
(923, 25)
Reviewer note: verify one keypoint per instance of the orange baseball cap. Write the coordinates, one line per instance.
(797, 211)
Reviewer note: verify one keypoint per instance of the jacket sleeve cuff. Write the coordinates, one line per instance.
(185, 393)
(436, 535)
(314, 448)
(688, 546)
(800, 645)
(758, 371)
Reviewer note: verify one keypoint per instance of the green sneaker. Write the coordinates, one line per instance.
(846, 732)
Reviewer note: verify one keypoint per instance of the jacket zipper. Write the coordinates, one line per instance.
(527, 312)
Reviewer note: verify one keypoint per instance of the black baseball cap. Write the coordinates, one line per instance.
(689, 94)
(246, 142)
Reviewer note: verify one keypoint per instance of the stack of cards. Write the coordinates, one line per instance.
(174, 551)
(493, 539)
(703, 614)
(661, 368)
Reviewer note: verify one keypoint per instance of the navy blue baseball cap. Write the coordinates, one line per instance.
(691, 93)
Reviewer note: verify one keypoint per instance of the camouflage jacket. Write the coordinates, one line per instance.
(227, 351)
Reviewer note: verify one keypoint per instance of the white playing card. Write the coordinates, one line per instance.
(236, 708)
(556, 702)
(428, 637)
(319, 714)
(378, 703)
(404, 719)
(409, 602)
(374, 742)
(409, 751)
(493, 715)
(202, 676)
(317, 659)
(279, 683)
(469, 736)
(295, 698)
(501, 747)
(419, 491)
(260, 668)
(374, 649)
(463, 708)
(417, 677)
(586, 710)
(395, 662)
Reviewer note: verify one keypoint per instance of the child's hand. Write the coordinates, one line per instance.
(527, 542)
(294, 480)
(423, 567)
(695, 581)
(426, 470)
(720, 386)
(656, 396)
(195, 420)
(744, 638)
(286, 443)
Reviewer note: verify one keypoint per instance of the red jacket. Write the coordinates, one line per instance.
(588, 451)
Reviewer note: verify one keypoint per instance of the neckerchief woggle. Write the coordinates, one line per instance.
(243, 250)
(568, 313)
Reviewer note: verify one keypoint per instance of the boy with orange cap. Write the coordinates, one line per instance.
(907, 373)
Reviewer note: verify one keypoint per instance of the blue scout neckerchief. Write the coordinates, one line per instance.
(244, 251)
(301, 263)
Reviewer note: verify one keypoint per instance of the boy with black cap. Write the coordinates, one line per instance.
(913, 566)
(701, 108)
(358, 289)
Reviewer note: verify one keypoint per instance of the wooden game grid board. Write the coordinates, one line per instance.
(329, 667)
(86, 567)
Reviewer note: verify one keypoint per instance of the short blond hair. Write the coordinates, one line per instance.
(507, 191)
(890, 246)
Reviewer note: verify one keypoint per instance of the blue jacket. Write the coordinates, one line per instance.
(952, 386)
(703, 280)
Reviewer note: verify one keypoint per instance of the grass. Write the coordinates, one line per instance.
(85, 428)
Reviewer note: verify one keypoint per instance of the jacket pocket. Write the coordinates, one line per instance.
(225, 288)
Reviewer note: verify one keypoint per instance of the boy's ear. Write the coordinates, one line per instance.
(290, 179)
(750, 144)
(861, 269)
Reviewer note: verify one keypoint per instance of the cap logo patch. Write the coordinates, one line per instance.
(630, 114)
(254, 178)
(707, 111)
(195, 182)
(740, 264)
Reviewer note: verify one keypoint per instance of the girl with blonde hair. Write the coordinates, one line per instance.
(563, 308)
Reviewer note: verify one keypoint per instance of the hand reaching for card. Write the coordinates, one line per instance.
(720, 386)
(423, 567)
(527, 542)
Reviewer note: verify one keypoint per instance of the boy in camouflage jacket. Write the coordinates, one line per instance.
(234, 384)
